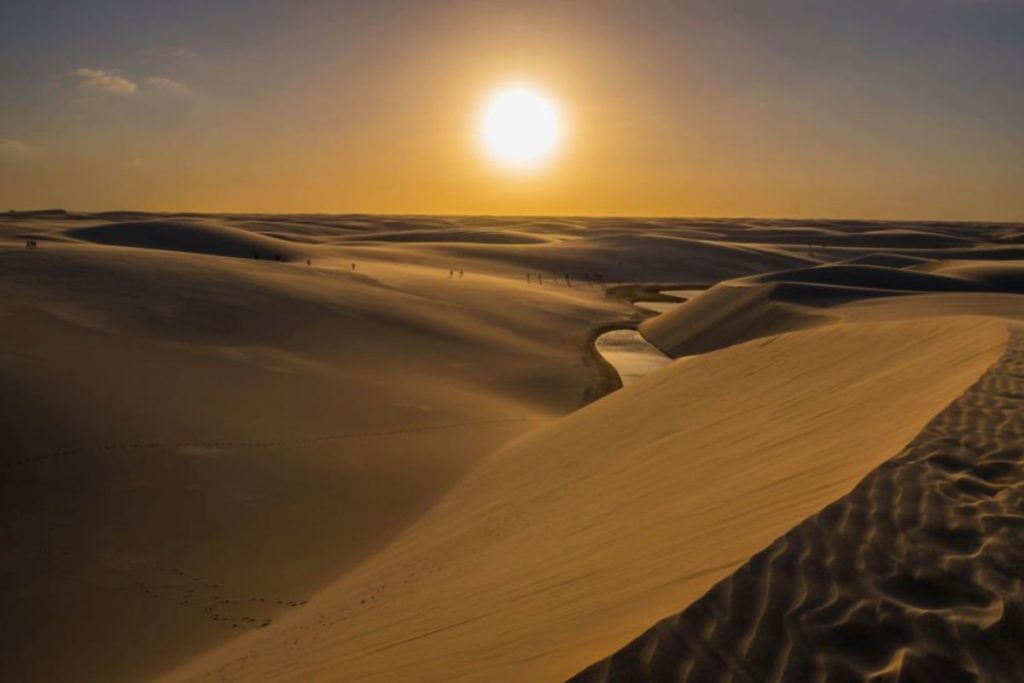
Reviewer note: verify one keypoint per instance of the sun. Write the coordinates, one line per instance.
(520, 127)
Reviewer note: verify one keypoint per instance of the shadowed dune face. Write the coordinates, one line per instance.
(916, 575)
(874, 277)
(761, 305)
(319, 468)
(201, 237)
(1003, 276)
(195, 444)
(565, 544)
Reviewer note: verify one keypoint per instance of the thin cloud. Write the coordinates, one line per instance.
(176, 53)
(11, 147)
(166, 84)
(104, 80)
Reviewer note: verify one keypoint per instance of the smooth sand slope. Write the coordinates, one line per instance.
(563, 545)
(226, 464)
(195, 444)
(916, 575)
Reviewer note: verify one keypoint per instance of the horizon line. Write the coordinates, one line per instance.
(847, 219)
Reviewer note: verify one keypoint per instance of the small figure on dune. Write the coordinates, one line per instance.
(567, 282)
(450, 273)
(540, 278)
(527, 278)
(353, 265)
(460, 273)
(308, 263)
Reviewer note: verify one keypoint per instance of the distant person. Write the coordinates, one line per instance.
(460, 273)
(308, 263)
(540, 278)
(450, 273)
(353, 265)
(527, 278)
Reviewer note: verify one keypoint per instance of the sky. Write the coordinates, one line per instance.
(901, 109)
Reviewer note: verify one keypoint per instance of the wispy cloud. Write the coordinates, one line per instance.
(164, 83)
(181, 54)
(11, 147)
(104, 80)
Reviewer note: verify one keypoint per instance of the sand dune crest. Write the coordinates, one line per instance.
(916, 575)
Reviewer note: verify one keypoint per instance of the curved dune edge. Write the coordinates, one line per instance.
(727, 314)
(195, 445)
(917, 574)
(192, 236)
(762, 305)
(563, 546)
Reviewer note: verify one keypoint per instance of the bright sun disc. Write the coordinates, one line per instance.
(520, 127)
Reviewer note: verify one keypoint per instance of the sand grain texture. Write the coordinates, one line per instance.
(557, 548)
(371, 448)
(916, 575)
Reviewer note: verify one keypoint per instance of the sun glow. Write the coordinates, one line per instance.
(520, 127)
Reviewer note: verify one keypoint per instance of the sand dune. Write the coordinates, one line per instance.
(915, 575)
(761, 305)
(403, 462)
(202, 237)
(179, 423)
(1001, 276)
(460, 237)
(562, 545)
(727, 314)
(888, 260)
(874, 277)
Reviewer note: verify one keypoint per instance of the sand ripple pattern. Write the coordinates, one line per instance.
(916, 575)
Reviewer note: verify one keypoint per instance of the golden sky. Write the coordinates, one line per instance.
(798, 108)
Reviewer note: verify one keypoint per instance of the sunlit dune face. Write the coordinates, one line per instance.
(520, 128)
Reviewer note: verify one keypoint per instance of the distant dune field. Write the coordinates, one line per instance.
(383, 448)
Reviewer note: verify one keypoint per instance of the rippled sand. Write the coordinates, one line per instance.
(320, 448)
(916, 574)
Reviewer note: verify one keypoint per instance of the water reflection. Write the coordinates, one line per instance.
(630, 354)
(656, 306)
(663, 306)
(683, 293)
